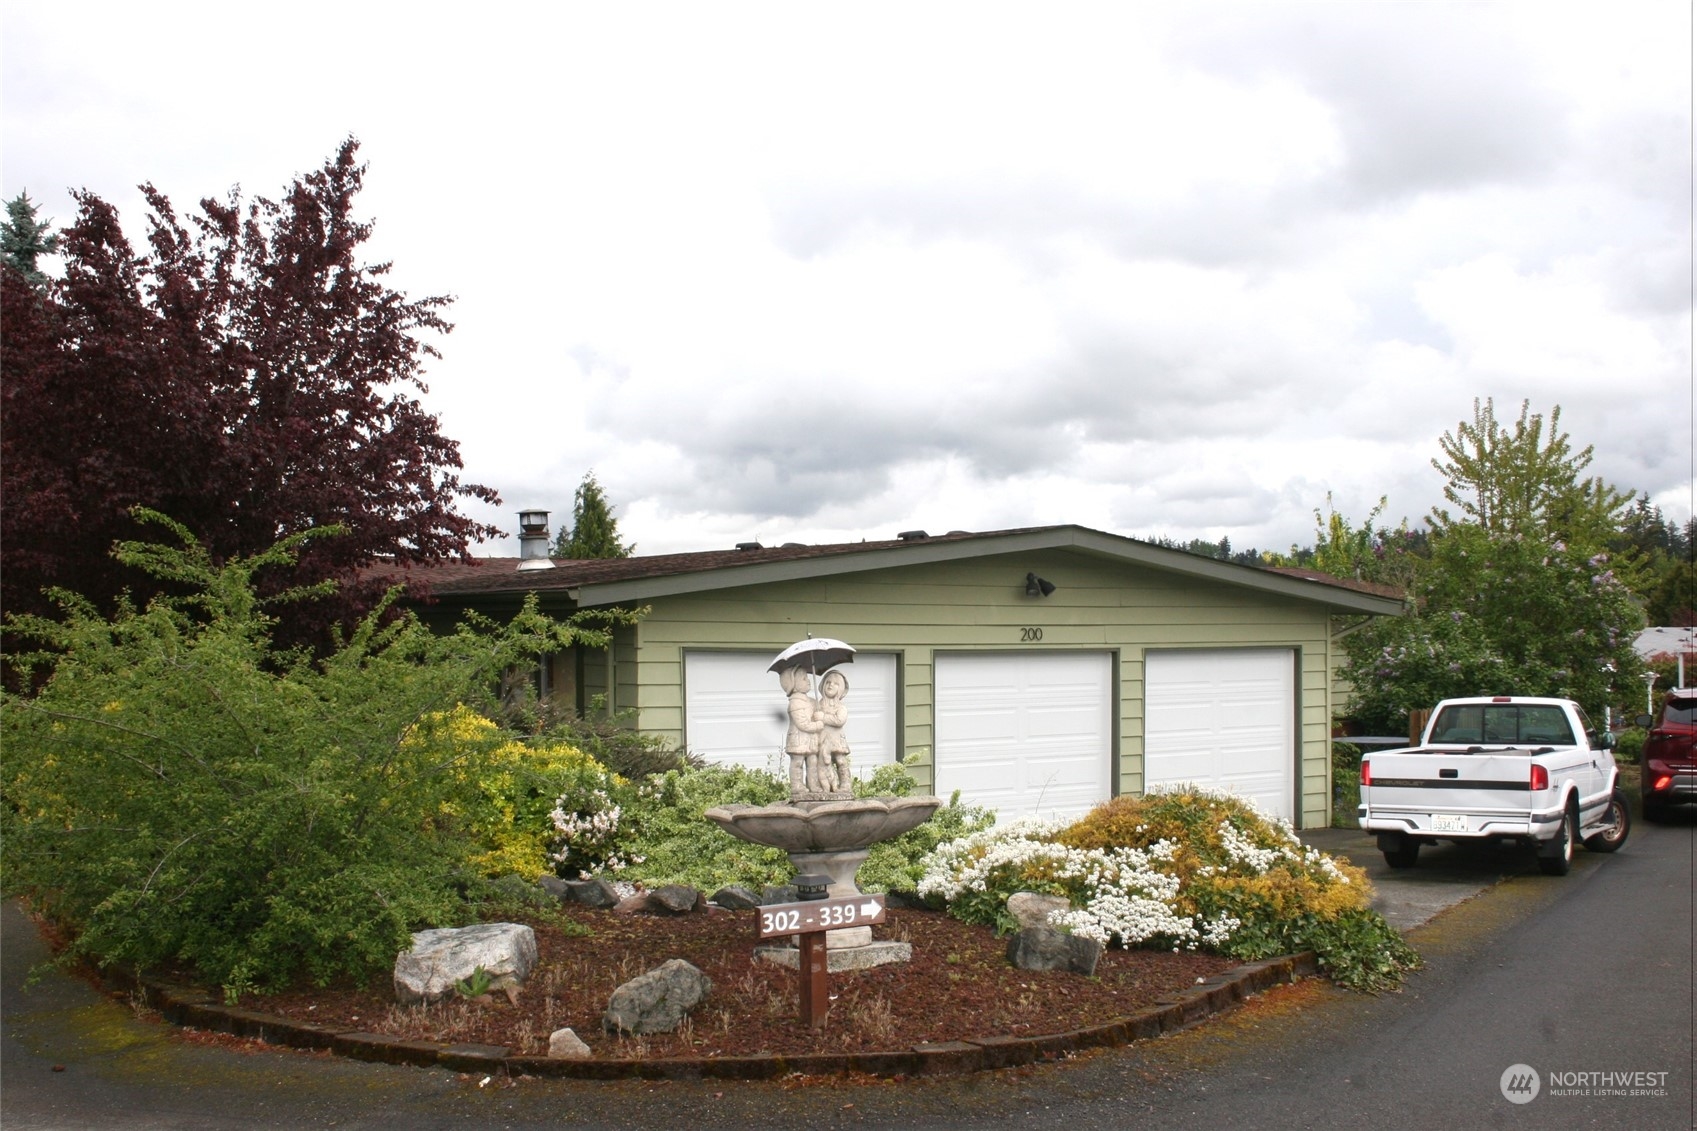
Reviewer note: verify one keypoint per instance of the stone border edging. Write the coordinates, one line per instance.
(198, 1009)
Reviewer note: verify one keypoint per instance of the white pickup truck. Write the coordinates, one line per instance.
(1508, 768)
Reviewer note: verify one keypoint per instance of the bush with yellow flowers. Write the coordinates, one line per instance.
(1185, 869)
(534, 808)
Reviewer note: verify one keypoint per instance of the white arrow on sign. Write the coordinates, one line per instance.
(869, 909)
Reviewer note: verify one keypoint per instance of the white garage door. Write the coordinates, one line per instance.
(1224, 718)
(735, 713)
(1024, 732)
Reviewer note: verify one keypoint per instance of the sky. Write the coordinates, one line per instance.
(825, 272)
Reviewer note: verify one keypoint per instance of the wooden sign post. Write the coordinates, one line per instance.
(809, 920)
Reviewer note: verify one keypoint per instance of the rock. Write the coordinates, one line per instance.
(441, 958)
(563, 1044)
(736, 898)
(513, 886)
(676, 899)
(1045, 948)
(592, 893)
(1032, 910)
(672, 899)
(656, 1002)
(556, 887)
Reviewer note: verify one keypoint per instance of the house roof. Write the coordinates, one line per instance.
(1665, 640)
(612, 581)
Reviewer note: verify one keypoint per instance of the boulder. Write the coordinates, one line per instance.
(563, 1044)
(1032, 910)
(440, 959)
(676, 899)
(556, 887)
(656, 1002)
(1045, 948)
(736, 898)
(672, 899)
(592, 893)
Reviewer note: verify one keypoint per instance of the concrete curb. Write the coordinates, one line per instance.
(195, 1008)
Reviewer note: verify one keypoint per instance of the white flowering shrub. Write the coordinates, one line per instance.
(587, 835)
(1186, 869)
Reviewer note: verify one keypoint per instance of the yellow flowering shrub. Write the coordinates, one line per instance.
(513, 788)
(1184, 868)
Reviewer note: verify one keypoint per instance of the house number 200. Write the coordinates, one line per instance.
(1030, 635)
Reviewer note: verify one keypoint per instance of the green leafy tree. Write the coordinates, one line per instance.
(1500, 614)
(594, 532)
(24, 239)
(1364, 553)
(1524, 482)
(1530, 588)
(181, 790)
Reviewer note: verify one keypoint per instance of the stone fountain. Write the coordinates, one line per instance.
(825, 827)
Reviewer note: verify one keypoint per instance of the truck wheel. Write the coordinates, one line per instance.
(1557, 857)
(1406, 852)
(1620, 823)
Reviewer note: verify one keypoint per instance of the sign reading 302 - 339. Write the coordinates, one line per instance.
(821, 915)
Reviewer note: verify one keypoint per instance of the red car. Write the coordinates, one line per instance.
(1669, 775)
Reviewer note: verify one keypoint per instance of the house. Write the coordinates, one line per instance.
(1036, 671)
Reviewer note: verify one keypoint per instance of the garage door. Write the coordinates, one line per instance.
(1023, 732)
(736, 714)
(1224, 718)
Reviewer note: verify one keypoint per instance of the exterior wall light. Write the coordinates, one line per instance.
(1036, 587)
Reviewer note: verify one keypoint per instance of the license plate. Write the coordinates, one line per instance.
(1449, 823)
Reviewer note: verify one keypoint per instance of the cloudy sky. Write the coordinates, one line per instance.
(824, 272)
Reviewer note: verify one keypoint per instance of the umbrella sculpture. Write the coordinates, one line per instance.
(816, 654)
(814, 770)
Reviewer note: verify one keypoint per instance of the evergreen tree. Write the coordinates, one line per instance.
(594, 532)
(23, 239)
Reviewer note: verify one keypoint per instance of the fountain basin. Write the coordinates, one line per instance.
(824, 826)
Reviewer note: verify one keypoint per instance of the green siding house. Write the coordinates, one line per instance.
(1037, 671)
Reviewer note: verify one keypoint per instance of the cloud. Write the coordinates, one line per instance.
(776, 272)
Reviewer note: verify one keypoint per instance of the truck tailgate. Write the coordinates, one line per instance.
(1434, 790)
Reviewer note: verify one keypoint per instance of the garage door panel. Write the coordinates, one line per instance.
(736, 714)
(1225, 719)
(1023, 732)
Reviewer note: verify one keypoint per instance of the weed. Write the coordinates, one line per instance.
(476, 985)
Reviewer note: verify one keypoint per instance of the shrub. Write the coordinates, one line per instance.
(677, 845)
(1182, 869)
(670, 842)
(1629, 745)
(1346, 784)
(899, 864)
(610, 738)
(535, 807)
(179, 791)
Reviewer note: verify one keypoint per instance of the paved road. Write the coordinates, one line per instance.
(1587, 973)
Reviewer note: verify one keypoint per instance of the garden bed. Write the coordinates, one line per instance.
(958, 986)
